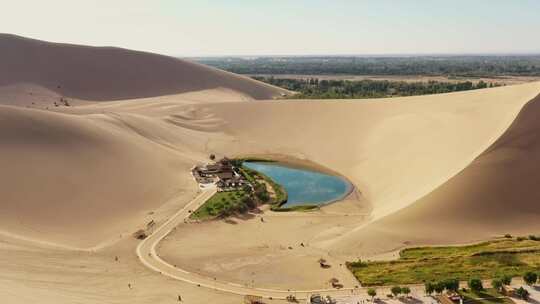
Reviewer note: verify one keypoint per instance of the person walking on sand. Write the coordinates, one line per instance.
(179, 298)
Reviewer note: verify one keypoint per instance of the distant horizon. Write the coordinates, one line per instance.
(382, 55)
(183, 28)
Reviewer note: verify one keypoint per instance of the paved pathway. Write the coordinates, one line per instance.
(146, 251)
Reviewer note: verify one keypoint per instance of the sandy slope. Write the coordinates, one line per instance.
(85, 176)
(274, 254)
(105, 73)
(395, 151)
(80, 180)
(39, 274)
(495, 195)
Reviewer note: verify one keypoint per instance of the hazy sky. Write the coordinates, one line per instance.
(240, 27)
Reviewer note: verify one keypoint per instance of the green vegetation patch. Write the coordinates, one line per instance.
(227, 203)
(280, 192)
(346, 89)
(294, 208)
(486, 296)
(254, 159)
(223, 204)
(429, 264)
(253, 177)
(458, 66)
(249, 174)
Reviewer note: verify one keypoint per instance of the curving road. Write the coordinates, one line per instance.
(146, 251)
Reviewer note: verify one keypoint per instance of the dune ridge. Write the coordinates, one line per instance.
(395, 150)
(77, 181)
(107, 73)
(391, 150)
(495, 195)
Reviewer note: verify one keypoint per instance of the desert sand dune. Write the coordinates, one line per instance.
(430, 169)
(497, 194)
(78, 180)
(33, 96)
(394, 150)
(106, 73)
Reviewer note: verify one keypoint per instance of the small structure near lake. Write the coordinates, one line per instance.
(222, 174)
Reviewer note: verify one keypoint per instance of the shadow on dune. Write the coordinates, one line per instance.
(106, 73)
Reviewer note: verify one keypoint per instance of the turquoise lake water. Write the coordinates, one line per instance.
(304, 187)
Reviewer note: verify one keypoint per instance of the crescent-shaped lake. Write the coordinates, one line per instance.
(303, 186)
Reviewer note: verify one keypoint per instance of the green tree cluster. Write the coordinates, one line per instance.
(475, 285)
(530, 278)
(522, 293)
(467, 66)
(372, 293)
(440, 286)
(345, 89)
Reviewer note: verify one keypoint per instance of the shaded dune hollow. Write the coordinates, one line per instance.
(496, 194)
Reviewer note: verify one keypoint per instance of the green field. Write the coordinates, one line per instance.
(429, 264)
(221, 203)
(486, 296)
(224, 204)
